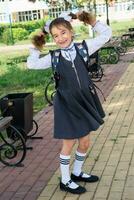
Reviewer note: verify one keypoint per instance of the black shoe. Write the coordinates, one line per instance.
(78, 190)
(90, 179)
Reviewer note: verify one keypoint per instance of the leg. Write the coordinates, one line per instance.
(67, 146)
(66, 183)
(80, 155)
(84, 143)
(65, 160)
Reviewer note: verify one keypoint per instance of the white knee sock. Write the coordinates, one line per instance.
(78, 163)
(64, 167)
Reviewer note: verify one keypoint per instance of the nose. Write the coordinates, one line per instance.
(60, 38)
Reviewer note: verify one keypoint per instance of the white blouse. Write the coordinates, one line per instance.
(104, 34)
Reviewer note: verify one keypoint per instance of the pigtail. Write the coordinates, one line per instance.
(39, 40)
(74, 16)
(87, 18)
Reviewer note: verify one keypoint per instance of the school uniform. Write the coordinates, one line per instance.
(77, 108)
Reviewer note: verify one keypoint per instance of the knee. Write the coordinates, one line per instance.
(83, 146)
(67, 146)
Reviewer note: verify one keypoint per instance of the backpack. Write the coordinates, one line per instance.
(92, 63)
(82, 50)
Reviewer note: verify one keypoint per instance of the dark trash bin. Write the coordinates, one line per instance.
(20, 107)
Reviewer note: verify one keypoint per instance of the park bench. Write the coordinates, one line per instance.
(131, 29)
(12, 144)
(111, 51)
(20, 107)
(95, 69)
(129, 35)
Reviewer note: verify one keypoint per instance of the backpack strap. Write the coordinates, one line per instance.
(83, 52)
(55, 55)
(82, 49)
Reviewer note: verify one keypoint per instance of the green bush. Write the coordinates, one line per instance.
(81, 29)
(84, 29)
(5, 38)
(29, 26)
(18, 34)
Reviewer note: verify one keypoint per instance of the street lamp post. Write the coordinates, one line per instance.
(95, 7)
(11, 32)
(8, 18)
(107, 13)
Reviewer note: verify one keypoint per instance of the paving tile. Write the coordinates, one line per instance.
(115, 196)
(110, 157)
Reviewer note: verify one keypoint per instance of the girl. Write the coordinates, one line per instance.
(77, 109)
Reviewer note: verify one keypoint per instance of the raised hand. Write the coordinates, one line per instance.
(87, 18)
(38, 40)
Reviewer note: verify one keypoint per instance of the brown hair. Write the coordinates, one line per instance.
(39, 40)
(85, 17)
(58, 22)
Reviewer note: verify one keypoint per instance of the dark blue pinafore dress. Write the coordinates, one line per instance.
(77, 108)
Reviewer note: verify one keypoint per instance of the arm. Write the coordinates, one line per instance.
(103, 30)
(35, 62)
(96, 43)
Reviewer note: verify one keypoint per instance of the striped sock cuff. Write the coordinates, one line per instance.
(80, 156)
(64, 160)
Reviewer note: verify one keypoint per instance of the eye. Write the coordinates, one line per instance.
(55, 36)
(63, 32)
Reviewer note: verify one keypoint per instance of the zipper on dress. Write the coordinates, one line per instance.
(73, 66)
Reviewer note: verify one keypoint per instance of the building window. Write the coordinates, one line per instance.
(2, 17)
(29, 15)
(55, 11)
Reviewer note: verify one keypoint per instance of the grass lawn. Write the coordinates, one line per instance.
(17, 78)
(121, 27)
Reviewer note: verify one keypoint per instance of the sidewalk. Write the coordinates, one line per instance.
(110, 156)
(18, 47)
(112, 151)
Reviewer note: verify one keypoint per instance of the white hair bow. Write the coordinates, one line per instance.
(64, 15)
(46, 27)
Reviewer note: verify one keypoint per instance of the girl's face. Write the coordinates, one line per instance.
(62, 36)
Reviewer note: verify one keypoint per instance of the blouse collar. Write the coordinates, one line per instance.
(69, 48)
(69, 53)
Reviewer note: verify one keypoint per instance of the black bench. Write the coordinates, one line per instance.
(111, 51)
(129, 35)
(95, 69)
(12, 144)
(131, 29)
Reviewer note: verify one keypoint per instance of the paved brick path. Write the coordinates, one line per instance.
(110, 156)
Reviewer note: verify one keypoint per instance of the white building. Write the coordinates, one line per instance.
(120, 10)
(22, 10)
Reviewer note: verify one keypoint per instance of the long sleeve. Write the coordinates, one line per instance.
(96, 43)
(35, 62)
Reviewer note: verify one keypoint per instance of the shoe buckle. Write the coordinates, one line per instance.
(68, 183)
